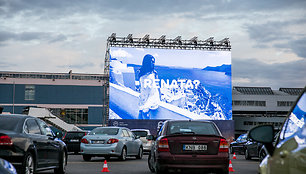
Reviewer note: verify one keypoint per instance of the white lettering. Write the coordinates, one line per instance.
(147, 83)
(163, 84)
(189, 84)
(174, 84)
(181, 81)
(196, 83)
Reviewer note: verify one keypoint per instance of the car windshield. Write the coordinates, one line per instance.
(179, 127)
(104, 131)
(242, 137)
(75, 134)
(8, 123)
(140, 133)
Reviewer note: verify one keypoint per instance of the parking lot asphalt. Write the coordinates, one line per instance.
(76, 165)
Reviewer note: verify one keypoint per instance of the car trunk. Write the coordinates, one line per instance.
(98, 139)
(194, 144)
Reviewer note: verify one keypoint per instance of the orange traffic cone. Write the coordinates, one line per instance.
(105, 168)
(234, 156)
(230, 167)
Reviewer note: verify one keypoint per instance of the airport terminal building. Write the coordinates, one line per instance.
(81, 99)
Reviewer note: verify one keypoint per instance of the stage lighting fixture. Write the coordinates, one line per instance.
(194, 40)
(210, 41)
(130, 38)
(113, 37)
(178, 40)
(162, 39)
(225, 41)
(146, 38)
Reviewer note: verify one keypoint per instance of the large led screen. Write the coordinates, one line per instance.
(170, 84)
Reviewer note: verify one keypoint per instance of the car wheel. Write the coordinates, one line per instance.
(159, 170)
(150, 163)
(247, 155)
(28, 164)
(140, 153)
(123, 154)
(86, 157)
(62, 164)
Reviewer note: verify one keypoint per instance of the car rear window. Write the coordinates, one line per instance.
(204, 128)
(74, 134)
(104, 131)
(8, 123)
(140, 133)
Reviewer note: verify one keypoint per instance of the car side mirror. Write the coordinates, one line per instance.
(263, 134)
(137, 137)
(50, 136)
(150, 137)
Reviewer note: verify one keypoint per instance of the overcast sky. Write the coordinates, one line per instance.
(268, 37)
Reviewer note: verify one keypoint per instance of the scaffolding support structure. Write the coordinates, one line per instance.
(160, 43)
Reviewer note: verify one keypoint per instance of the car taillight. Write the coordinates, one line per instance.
(163, 145)
(5, 140)
(84, 140)
(223, 145)
(112, 141)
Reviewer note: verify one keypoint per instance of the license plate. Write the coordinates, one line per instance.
(194, 147)
(74, 140)
(97, 141)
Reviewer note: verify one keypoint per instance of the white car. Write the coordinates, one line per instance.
(111, 142)
(143, 134)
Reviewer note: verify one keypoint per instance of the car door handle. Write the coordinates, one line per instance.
(284, 154)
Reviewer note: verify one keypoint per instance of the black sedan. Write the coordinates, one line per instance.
(238, 146)
(252, 149)
(73, 140)
(30, 145)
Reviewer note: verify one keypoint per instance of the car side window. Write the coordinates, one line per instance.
(296, 120)
(125, 133)
(45, 129)
(131, 134)
(32, 127)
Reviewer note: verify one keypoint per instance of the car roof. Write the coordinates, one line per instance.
(190, 121)
(140, 130)
(20, 116)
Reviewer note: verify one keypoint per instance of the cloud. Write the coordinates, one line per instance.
(136, 8)
(299, 47)
(120, 54)
(79, 66)
(251, 72)
(30, 36)
(58, 38)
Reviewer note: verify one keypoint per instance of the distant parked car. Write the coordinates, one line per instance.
(6, 167)
(73, 140)
(237, 146)
(30, 145)
(111, 142)
(185, 144)
(144, 134)
(289, 152)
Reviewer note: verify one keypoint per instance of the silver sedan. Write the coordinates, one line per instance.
(111, 142)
